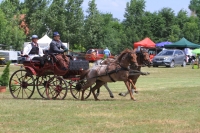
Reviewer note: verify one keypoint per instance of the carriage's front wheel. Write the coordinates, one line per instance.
(21, 84)
(56, 88)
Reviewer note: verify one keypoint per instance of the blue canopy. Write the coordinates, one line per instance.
(162, 44)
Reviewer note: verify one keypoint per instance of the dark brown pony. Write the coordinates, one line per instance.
(143, 59)
(116, 70)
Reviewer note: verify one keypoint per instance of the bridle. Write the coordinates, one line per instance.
(129, 57)
(141, 58)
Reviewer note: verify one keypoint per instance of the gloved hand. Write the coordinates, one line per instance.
(66, 50)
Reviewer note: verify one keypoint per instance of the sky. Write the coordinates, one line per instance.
(117, 7)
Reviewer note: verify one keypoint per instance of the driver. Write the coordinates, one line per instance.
(57, 47)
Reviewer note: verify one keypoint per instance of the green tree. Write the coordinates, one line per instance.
(194, 6)
(4, 78)
(175, 33)
(12, 34)
(35, 15)
(132, 23)
(168, 16)
(191, 29)
(74, 21)
(56, 18)
(111, 33)
(92, 26)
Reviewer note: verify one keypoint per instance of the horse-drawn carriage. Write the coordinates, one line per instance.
(50, 81)
(53, 82)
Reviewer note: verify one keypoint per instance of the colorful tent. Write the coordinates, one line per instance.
(196, 51)
(183, 43)
(147, 43)
(162, 44)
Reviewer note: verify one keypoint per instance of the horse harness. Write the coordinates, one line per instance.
(117, 69)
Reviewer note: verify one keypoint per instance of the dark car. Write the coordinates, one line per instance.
(170, 58)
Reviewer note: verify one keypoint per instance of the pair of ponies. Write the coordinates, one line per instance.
(125, 67)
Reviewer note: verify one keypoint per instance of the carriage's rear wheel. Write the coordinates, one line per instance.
(76, 91)
(41, 85)
(56, 88)
(21, 84)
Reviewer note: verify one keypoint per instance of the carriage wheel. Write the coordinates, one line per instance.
(41, 85)
(76, 90)
(56, 88)
(21, 84)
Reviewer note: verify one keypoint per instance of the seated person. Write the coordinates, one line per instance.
(34, 51)
(57, 47)
(94, 52)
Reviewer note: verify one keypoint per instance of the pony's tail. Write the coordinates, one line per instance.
(84, 73)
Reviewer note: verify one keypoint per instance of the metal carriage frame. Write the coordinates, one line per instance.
(50, 81)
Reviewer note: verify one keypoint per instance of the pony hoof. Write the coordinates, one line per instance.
(122, 94)
(136, 92)
(97, 94)
(97, 100)
(111, 96)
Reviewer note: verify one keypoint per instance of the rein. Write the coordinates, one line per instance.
(115, 71)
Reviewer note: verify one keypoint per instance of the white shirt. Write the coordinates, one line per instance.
(27, 50)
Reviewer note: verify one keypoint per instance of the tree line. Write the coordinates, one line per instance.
(94, 29)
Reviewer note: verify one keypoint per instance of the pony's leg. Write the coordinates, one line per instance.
(98, 92)
(97, 86)
(125, 93)
(87, 85)
(106, 86)
(128, 87)
(110, 92)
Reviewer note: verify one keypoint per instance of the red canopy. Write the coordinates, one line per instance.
(147, 43)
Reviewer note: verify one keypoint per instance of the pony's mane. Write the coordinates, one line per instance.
(122, 54)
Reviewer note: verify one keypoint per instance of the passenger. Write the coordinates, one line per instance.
(57, 48)
(34, 51)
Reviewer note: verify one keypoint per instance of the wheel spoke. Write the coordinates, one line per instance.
(21, 85)
(56, 88)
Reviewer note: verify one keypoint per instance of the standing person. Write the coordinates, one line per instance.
(57, 47)
(106, 52)
(33, 50)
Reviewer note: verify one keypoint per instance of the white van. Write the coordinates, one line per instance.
(9, 55)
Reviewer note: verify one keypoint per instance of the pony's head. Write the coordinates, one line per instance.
(128, 57)
(143, 57)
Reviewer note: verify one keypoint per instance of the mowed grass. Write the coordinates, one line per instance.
(168, 102)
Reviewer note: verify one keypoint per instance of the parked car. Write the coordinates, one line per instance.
(95, 54)
(170, 58)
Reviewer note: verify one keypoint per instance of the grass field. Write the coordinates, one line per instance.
(168, 102)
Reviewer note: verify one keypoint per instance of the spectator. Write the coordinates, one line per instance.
(106, 52)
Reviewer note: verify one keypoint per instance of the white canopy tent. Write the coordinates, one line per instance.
(45, 41)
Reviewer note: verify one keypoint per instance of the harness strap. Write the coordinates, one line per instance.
(111, 78)
(108, 73)
(115, 71)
